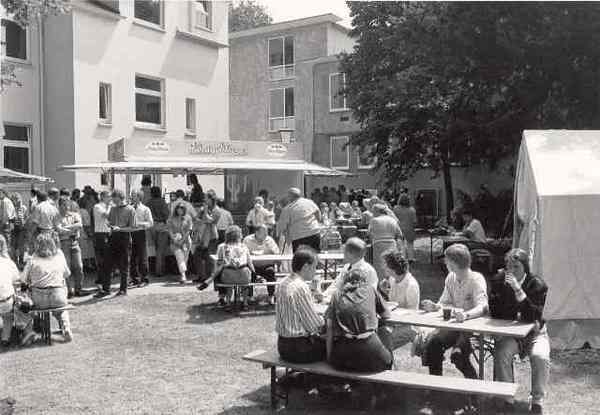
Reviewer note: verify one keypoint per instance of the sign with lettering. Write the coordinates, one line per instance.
(218, 148)
(116, 150)
(158, 146)
(277, 150)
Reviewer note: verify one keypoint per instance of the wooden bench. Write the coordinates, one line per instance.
(412, 380)
(44, 317)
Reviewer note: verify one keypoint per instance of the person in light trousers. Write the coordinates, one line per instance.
(518, 295)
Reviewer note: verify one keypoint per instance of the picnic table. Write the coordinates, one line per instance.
(480, 326)
(323, 256)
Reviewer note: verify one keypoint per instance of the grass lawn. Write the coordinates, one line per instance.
(165, 350)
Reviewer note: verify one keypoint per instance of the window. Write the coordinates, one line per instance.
(149, 10)
(365, 159)
(200, 15)
(281, 109)
(339, 152)
(337, 100)
(149, 97)
(15, 147)
(281, 57)
(105, 103)
(14, 40)
(190, 115)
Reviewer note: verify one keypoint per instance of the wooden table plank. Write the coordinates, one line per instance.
(323, 256)
(483, 325)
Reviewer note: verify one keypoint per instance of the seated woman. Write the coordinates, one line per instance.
(402, 288)
(260, 243)
(353, 342)
(46, 276)
(9, 275)
(234, 266)
(297, 323)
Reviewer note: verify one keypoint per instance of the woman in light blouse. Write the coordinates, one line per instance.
(180, 228)
(46, 276)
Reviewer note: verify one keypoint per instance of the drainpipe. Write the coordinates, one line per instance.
(42, 85)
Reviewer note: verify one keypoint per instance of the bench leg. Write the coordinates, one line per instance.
(273, 387)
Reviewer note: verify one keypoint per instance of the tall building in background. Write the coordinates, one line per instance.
(285, 84)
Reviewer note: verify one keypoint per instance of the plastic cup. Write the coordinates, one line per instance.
(447, 313)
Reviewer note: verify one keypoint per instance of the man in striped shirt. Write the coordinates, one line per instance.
(297, 322)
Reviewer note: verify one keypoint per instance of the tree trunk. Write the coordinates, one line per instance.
(448, 189)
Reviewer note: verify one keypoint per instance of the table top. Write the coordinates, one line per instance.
(326, 256)
(483, 325)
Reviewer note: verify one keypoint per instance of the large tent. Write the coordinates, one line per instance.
(557, 219)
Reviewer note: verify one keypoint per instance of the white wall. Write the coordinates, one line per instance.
(338, 41)
(22, 104)
(114, 50)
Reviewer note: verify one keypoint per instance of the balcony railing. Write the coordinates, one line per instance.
(279, 123)
(281, 72)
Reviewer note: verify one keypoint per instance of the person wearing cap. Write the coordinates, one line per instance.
(516, 294)
(385, 234)
(299, 221)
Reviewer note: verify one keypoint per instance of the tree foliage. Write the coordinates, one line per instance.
(247, 14)
(442, 83)
(25, 12)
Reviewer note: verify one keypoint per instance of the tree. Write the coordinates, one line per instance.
(26, 12)
(443, 84)
(247, 14)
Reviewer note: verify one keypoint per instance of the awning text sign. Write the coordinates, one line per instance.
(218, 148)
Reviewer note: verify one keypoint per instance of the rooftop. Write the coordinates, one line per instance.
(291, 24)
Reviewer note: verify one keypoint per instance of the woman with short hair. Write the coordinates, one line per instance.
(46, 276)
(353, 342)
(69, 231)
(385, 234)
(407, 219)
(179, 227)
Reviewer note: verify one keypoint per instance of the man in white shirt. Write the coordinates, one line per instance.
(473, 228)
(354, 258)
(300, 221)
(101, 234)
(139, 250)
(260, 243)
(7, 217)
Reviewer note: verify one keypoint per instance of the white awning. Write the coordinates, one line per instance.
(215, 166)
(12, 176)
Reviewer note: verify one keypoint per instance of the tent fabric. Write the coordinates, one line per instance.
(557, 220)
(215, 166)
(12, 176)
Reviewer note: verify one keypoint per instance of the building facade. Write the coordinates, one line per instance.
(285, 83)
(144, 70)
(21, 146)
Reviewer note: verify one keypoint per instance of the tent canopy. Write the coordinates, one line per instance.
(215, 166)
(16, 177)
(557, 220)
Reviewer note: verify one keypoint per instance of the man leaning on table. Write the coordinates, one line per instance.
(465, 291)
(518, 295)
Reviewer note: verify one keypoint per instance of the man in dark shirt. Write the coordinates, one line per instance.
(158, 232)
(518, 295)
(121, 220)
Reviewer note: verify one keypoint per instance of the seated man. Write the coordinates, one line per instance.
(466, 292)
(354, 258)
(402, 288)
(260, 243)
(296, 321)
(473, 228)
(518, 295)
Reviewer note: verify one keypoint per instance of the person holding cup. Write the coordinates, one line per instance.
(260, 243)
(465, 293)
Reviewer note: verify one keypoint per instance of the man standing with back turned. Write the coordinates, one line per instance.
(299, 221)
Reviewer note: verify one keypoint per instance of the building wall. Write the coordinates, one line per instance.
(21, 104)
(113, 49)
(59, 109)
(250, 85)
(338, 40)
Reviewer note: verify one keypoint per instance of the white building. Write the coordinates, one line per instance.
(143, 70)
